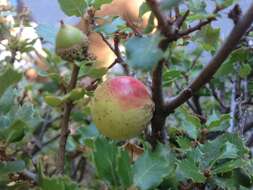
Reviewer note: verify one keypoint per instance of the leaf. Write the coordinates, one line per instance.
(225, 3)
(115, 166)
(10, 77)
(57, 183)
(143, 52)
(228, 166)
(215, 122)
(16, 132)
(238, 55)
(191, 124)
(152, 167)
(73, 7)
(26, 113)
(53, 101)
(106, 166)
(188, 169)
(151, 24)
(98, 3)
(93, 72)
(184, 143)
(74, 94)
(197, 6)
(230, 151)
(11, 166)
(124, 169)
(86, 133)
(208, 38)
(169, 76)
(245, 70)
(7, 100)
(143, 9)
(112, 26)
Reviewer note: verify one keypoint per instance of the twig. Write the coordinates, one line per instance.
(224, 108)
(163, 25)
(117, 52)
(195, 100)
(180, 20)
(65, 122)
(207, 73)
(250, 141)
(196, 27)
(233, 107)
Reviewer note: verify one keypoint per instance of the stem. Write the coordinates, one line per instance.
(65, 122)
(159, 118)
(233, 106)
(207, 73)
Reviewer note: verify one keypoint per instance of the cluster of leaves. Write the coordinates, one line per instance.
(197, 155)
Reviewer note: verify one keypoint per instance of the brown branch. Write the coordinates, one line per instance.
(196, 27)
(180, 20)
(250, 141)
(207, 73)
(158, 120)
(65, 122)
(163, 25)
(224, 108)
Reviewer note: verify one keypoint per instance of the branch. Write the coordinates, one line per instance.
(163, 25)
(196, 27)
(233, 106)
(180, 20)
(224, 108)
(65, 122)
(250, 141)
(207, 73)
(158, 120)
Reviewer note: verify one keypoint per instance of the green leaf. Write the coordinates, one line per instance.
(98, 3)
(93, 72)
(208, 38)
(86, 133)
(197, 6)
(215, 122)
(245, 70)
(106, 166)
(152, 167)
(143, 52)
(230, 151)
(124, 169)
(11, 166)
(10, 77)
(112, 26)
(238, 55)
(16, 132)
(7, 100)
(225, 3)
(191, 124)
(73, 7)
(57, 183)
(169, 76)
(74, 95)
(189, 170)
(228, 166)
(184, 142)
(151, 24)
(144, 8)
(53, 101)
